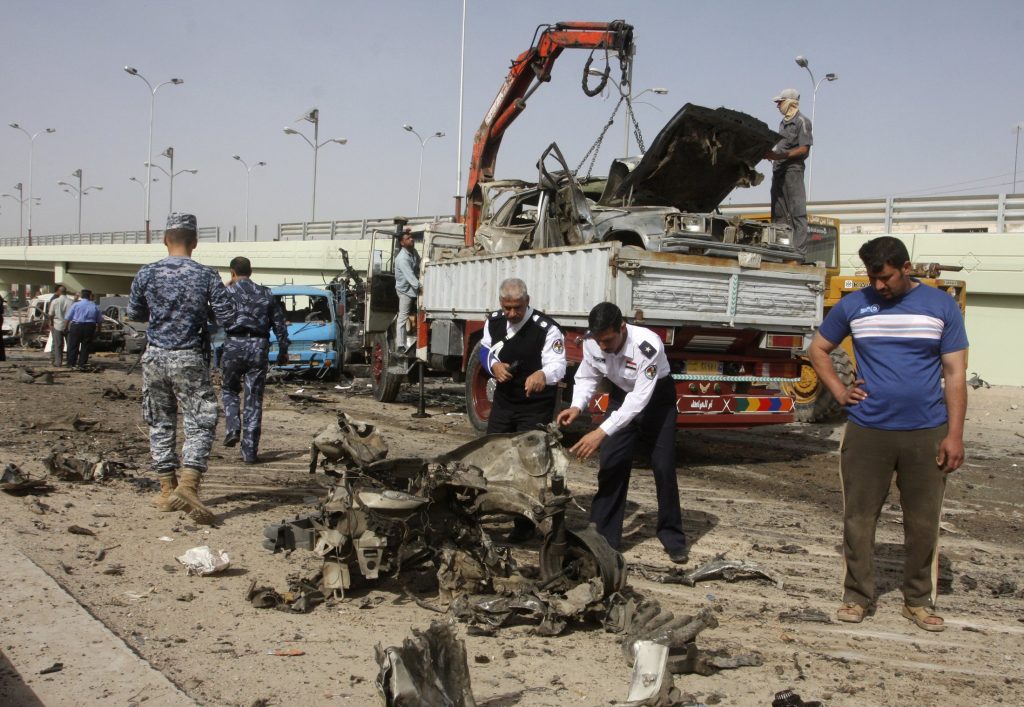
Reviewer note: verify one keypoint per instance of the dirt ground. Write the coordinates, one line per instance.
(770, 496)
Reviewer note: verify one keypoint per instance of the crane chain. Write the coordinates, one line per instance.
(636, 126)
(596, 147)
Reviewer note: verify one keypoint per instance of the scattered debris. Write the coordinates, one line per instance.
(286, 652)
(187, 596)
(428, 669)
(71, 422)
(114, 570)
(66, 569)
(79, 530)
(788, 549)
(975, 381)
(1005, 587)
(651, 685)
(114, 393)
(718, 568)
(805, 614)
(969, 582)
(78, 469)
(203, 561)
(17, 483)
(55, 668)
(300, 397)
(788, 698)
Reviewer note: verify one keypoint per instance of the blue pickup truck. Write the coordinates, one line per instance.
(313, 314)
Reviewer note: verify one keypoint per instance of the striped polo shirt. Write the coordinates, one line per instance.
(898, 345)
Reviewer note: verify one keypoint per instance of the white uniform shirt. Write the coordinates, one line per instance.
(552, 358)
(58, 309)
(636, 369)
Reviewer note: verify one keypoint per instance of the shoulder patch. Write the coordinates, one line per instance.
(651, 371)
(495, 314)
(647, 349)
(558, 347)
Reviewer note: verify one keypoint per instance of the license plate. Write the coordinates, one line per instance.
(712, 368)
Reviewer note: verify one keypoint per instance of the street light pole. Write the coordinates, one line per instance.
(169, 152)
(31, 160)
(78, 193)
(802, 62)
(21, 207)
(149, 150)
(313, 116)
(423, 145)
(248, 174)
(1016, 147)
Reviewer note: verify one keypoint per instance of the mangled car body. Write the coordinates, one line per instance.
(663, 201)
(383, 515)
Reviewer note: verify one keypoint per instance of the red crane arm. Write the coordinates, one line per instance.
(529, 70)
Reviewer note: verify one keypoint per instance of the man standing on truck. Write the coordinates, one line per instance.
(245, 358)
(523, 350)
(407, 283)
(789, 197)
(642, 406)
(57, 311)
(174, 296)
(906, 414)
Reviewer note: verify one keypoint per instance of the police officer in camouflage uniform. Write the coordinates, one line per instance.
(245, 358)
(175, 295)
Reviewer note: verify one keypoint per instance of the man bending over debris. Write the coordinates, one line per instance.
(245, 358)
(906, 415)
(174, 295)
(642, 405)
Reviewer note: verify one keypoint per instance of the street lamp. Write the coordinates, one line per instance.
(142, 186)
(1016, 146)
(313, 116)
(169, 154)
(423, 145)
(21, 199)
(31, 159)
(149, 150)
(78, 193)
(658, 91)
(248, 174)
(802, 62)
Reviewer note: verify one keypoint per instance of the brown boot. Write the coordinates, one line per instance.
(186, 497)
(162, 501)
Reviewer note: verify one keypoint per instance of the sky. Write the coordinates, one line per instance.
(926, 102)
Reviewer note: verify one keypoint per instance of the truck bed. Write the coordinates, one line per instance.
(656, 289)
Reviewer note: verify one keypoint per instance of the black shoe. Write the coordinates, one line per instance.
(231, 438)
(251, 460)
(679, 557)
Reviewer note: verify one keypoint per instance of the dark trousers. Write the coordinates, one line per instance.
(868, 460)
(59, 338)
(656, 428)
(789, 203)
(523, 416)
(244, 368)
(80, 337)
(3, 347)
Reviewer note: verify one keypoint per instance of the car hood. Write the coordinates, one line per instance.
(700, 156)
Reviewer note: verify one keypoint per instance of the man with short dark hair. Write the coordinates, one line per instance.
(789, 196)
(407, 284)
(174, 295)
(642, 407)
(524, 351)
(906, 415)
(245, 360)
(57, 311)
(84, 319)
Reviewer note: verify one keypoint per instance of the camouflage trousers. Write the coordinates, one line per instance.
(244, 371)
(173, 379)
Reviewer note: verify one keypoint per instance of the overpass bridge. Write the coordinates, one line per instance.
(993, 268)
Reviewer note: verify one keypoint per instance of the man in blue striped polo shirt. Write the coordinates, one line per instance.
(906, 415)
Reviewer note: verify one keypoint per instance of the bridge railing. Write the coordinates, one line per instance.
(207, 233)
(355, 229)
(996, 211)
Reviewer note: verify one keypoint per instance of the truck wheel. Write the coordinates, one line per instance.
(812, 400)
(385, 385)
(479, 391)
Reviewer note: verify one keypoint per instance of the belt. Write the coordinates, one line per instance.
(246, 335)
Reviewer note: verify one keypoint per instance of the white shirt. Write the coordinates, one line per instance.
(57, 309)
(636, 369)
(552, 358)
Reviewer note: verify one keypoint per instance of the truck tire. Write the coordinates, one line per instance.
(385, 385)
(479, 391)
(812, 400)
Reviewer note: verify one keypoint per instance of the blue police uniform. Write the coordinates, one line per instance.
(244, 362)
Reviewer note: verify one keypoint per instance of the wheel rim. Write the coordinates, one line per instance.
(482, 393)
(806, 389)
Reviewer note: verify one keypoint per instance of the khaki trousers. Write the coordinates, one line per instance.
(868, 459)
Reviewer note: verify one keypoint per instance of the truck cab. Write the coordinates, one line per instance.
(313, 329)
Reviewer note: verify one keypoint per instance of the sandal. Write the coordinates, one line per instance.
(853, 613)
(920, 615)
